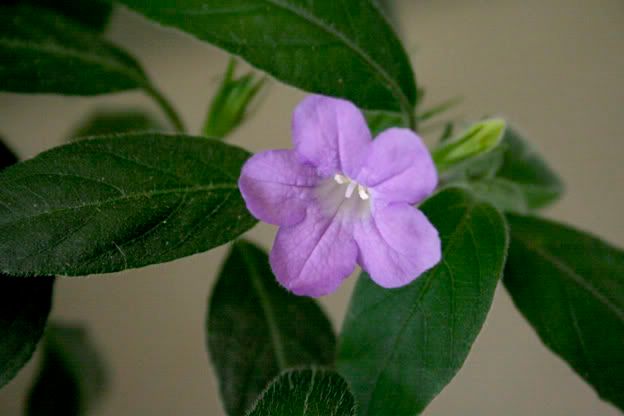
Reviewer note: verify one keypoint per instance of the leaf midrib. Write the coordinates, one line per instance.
(573, 276)
(470, 206)
(125, 197)
(267, 309)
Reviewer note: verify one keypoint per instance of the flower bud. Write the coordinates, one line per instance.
(477, 140)
(230, 105)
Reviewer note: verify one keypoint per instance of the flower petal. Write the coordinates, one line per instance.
(399, 167)
(277, 186)
(313, 257)
(331, 134)
(397, 245)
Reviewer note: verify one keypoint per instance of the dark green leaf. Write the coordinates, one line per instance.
(93, 14)
(327, 47)
(514, 179)
(111, 121)
(44, 52)
(379, 121)
(24, 308)
(309, 392)
(7, 157)
(117, 202)
(255, 329)
(570, 286)
(399, 348)
(72, 377)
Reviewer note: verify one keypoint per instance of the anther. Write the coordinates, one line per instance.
(362, 192)
(340, 179)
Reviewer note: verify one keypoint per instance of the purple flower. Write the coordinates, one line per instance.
(341, 199)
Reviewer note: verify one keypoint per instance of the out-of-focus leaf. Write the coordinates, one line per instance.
(514, 177)
(104, 121)
(436, 110)
(116, 202)
(72, 378)
(93, 14)
(308, 392)
(447, 132)
(24, 308)
(255, 329)
(44, 52)
(523, 166)
(570, 286)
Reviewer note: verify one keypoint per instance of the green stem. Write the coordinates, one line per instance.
(167, 108)
(411, 119)
(408, 113)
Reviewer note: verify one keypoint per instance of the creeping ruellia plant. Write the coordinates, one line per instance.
(433, 230)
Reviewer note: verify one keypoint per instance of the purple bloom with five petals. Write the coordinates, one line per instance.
(342, 199)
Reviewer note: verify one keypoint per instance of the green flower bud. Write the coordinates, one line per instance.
(480, 138)
(230, 105)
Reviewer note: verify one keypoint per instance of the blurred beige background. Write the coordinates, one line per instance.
(554, 67)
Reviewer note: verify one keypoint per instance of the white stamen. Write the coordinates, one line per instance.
(362, 192)
(350, 189)
(335, 195)
(340, 179)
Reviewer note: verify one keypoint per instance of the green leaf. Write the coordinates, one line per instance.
(72, 377)
(24, 308)
(307, 392)
(524, 167)
(117, 202)
(93, 14)
(325, 47)
(44, 52)
(569, 285)
(109, 121)
(503, 194)
(399, 348)
(513, 177)
(255, 328)
(7, 157)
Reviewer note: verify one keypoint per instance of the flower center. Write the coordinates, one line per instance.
(342, 196)
(351, 186)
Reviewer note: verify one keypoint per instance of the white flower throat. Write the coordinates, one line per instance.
(341, 195)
